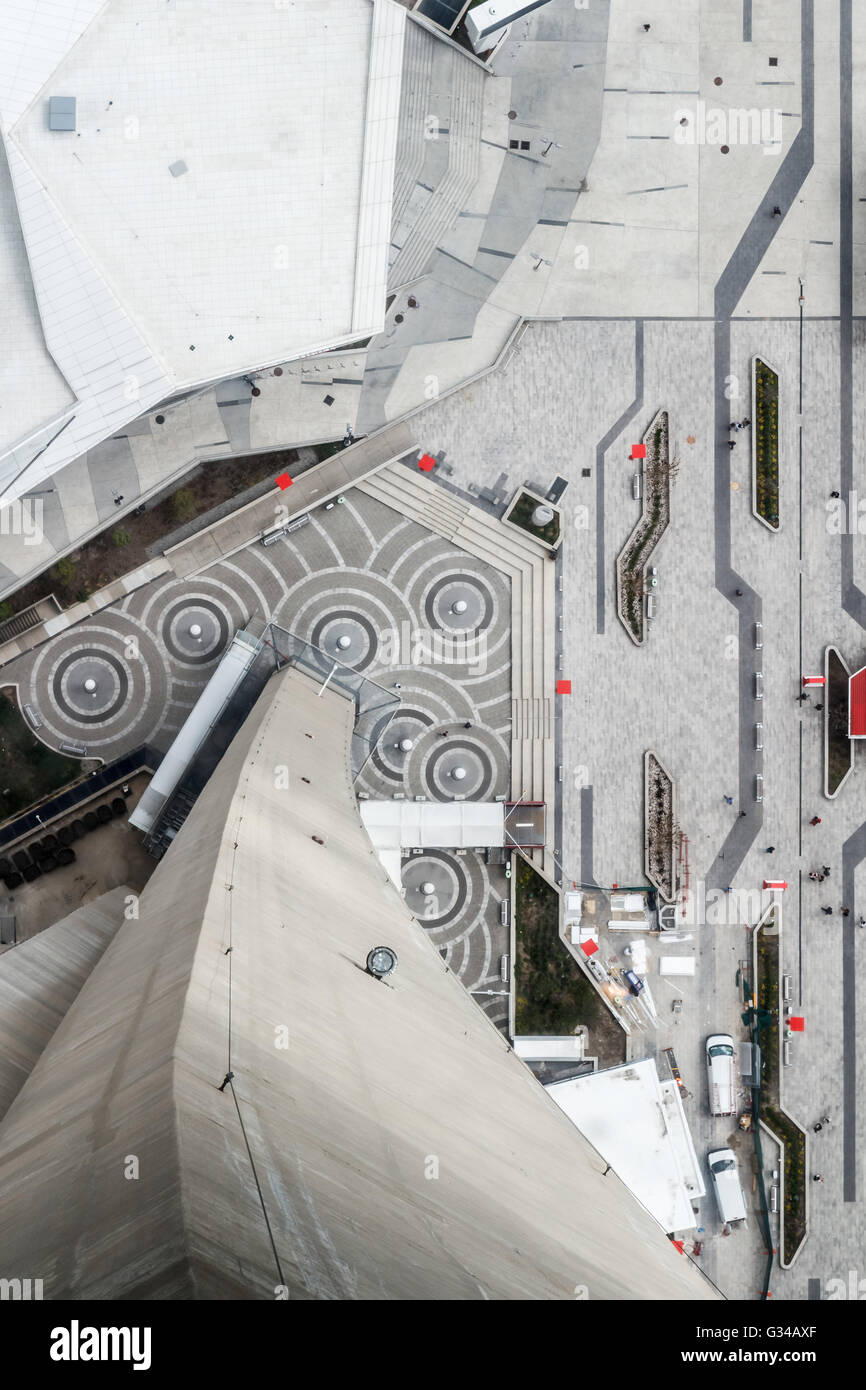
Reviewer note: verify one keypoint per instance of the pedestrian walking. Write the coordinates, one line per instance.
(813, 876)
(732, 443)
(443, 733)
(738, 593)
(467, 725)
(742, 813)
(777, 211)
(397, 685)
(827, 911)
(825, 1119)
(816, 1128)
(646, 28)
(730, 800)
(802, 696)
(771, 849)
(745, 423)
(816, 820)
(834, 494)
(861, 921)
(733, 425)
(846, 912)
(816, 1177)
(821, 878)
(819, 706)
(825, 869)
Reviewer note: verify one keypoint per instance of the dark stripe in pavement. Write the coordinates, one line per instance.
(600, 451)
(747, 21)
(735, 278)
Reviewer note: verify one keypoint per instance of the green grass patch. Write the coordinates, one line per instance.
(29, 771)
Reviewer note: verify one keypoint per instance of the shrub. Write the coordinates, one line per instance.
(183, 504)
(120, 538)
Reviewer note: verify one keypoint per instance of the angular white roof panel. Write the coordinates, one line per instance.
(224, 202)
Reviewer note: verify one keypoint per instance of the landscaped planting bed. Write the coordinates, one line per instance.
(659, 862)
(655, 516)
(765, 443)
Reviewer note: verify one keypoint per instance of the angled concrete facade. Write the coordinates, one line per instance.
(376, 1140)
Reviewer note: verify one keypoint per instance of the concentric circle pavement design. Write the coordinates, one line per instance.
(195, 630)
(389, 757)
(436, 887)
(462, 766)
(459, 603)
(90, 685)
(348, 636)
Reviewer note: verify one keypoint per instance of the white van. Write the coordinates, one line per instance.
(726, 1181)
(720, 1074)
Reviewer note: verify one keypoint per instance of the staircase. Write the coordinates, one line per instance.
(427, 201)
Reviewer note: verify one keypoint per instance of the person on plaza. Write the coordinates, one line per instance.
(646, 28)
(861, 921)
(825, 1119)
(816, 820)
(819, 706)
(846, 912)
(813, 876)
(739, 593)
(825, 869)
(745, 423)
(816, 1128)
(732, 443)
(771, 849)
(729, 800)
(777, 211)
(828, 911)
(816, 1177)
(821, 878)
(834, 494)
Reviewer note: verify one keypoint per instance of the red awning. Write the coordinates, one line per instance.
(857, 704)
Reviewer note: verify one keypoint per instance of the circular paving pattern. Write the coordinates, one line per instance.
(347, 636)
(195, 631)
(90, 685)
(459, 603)
(436, 887)
(388, 757)
(459, 767)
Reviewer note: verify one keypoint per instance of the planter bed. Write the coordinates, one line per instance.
(765, 443)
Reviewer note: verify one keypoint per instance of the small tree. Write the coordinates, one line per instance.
(120, 538)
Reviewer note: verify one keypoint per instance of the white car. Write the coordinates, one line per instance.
(726, 1181)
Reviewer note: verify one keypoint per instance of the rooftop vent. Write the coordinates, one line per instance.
(61, 113)
(179, 167)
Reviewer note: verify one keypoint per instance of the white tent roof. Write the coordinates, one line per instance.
(434, 824)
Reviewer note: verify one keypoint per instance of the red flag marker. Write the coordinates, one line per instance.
(284, 481)
(563, 687)
(797, 1024)
(589, 948)
(426, 463)
(776, 885)
(638, 451)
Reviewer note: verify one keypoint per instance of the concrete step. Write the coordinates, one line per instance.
(436, 214)
(415, 107)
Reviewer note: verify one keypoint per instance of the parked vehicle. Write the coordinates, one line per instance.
(726, 1182)
(634, 982)
(720, 1074)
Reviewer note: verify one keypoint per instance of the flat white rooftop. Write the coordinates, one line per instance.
(638, 1125)
(224, 202)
